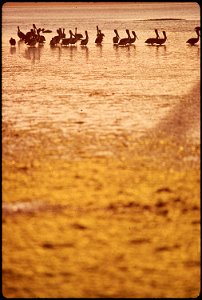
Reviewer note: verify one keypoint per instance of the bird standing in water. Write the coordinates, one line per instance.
(125, 41)
(153, 40)
(21, 35)
(132, 40)
(161, 41)
(99, 37)
(84, 42)
(116, 38)
(193, 41)
(73, 39)
(78, 35)
(12, 42)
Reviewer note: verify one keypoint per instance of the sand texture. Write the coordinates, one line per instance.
(103, 216)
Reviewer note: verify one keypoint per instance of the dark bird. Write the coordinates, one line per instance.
(116, 38)
(32, 42)
(99, 37)
(40, 38)
(153, 40)
(12, 42)
(30, 35)
(73, 38)
(97, 30)
(56, 39)
(193, 41)
(35, 30)
(125, 41)
(46, 30)
(161, 41)
(34, 26)
(84, 42)
(132, 40)
(21, 35)
(78, 35)
(197, 28)
(66, 41)
(63, 35)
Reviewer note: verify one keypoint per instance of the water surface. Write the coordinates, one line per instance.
(103, 88)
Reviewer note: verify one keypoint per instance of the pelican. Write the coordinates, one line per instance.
(132, 40)
(99, 37)
(41, 39)
(21, 35)
(116, 38)
(125, 41)
(46, 30)
(61, 33)
(153, 40)
(34, 26)
(161, 41)
(193, 41)
(56, 39)
(97, 30)
(73, 39)
(30, 35)
(84, 42)
(67, 41)
(12, 42)
(32, 42)
(78, 35)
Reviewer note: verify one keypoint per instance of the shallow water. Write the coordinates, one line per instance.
(98, 88)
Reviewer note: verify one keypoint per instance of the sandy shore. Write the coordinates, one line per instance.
(121, 221)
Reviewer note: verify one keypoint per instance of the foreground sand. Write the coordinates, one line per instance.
(121, 221)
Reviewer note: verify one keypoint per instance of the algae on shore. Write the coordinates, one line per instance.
(125, 225)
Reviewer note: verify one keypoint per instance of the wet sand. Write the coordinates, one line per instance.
(103, 216)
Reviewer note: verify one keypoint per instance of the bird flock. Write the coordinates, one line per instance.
(35, 35)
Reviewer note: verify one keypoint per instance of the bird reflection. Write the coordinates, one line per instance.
(85, 49)
(20, 43)
(57, 48)
(32, 53)
(128, 51)
(12, 50)
(99, 47)
(72, 51)
(161, 48)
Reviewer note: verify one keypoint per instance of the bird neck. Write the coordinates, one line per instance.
(128, 33)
